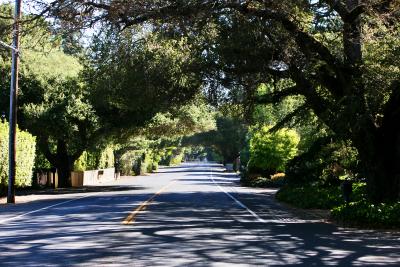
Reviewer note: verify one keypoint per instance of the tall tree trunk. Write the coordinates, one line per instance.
(64, 164)
(60, 160)
(352, 36)
(379, 150)
(380, 163)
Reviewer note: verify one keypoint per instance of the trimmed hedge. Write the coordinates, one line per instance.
(89, 160)
(139, 162)
(26, 148)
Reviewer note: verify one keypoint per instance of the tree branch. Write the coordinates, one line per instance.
(295, 113)
(276, 97)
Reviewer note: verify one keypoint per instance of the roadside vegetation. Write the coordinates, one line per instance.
(300, 95)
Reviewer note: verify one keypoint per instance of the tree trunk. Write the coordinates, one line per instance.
(60, 160)
(64, 164)
(387, 156)
(352, 36)
(382, 173)
(379, 153)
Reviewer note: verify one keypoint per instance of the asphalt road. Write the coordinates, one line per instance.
(193, 215)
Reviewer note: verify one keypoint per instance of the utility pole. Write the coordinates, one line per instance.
(13, 103)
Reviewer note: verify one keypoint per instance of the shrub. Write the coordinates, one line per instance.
(106, 159)
(139, 162)
(41, 162)
(269, 152)
(325, 161)
(93, 160)
(366, 214)
(277, 180)
(87, 161)
(25, 157)
(172, 156)
(311, 196)
(318, 196)
(176, 159)
(129, 161)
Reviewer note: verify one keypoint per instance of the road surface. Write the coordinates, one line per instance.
(192, 215)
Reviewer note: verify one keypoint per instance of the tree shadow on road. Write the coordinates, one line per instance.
(187, 229)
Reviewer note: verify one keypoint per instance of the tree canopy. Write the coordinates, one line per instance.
(341, 57)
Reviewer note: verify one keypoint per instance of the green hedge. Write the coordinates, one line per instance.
(172, 156)
(128, 160)
(93, 160)
(176, 159)
(139, 162)
(25, 157)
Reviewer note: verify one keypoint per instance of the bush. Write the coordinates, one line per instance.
(363, 213)
(87, 161)
(25, 152)
(128, 161)
(324, 161)
(172, 156)
(139, 162)
(311, 196)
(106, 159)
(277, 180)
(176, 159)
(41, 162)
(269, 152)
(93, 160)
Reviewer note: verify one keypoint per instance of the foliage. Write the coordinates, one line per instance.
(52, 100)
(311, 196)
(172, 156)
(106, 159)
(93, 160)
(132, 79)
(276, 180)
(326, 161)
(139, 162)
(366, 214)
(176, 159)
(195, 153)
(359, 212)
(342, 57)
(212, 155)
(194, 117)
(269, 152)
(26, 146)
(40, 161)
(129, 161)
(227, 140)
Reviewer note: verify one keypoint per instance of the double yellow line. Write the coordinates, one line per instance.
(130, 219)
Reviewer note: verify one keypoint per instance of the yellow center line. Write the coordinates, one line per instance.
(130, 219)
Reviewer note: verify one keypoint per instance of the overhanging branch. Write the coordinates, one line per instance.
(276, 97)
(295, 113)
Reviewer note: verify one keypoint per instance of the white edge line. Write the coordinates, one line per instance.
(237, 201)
(45, 208)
